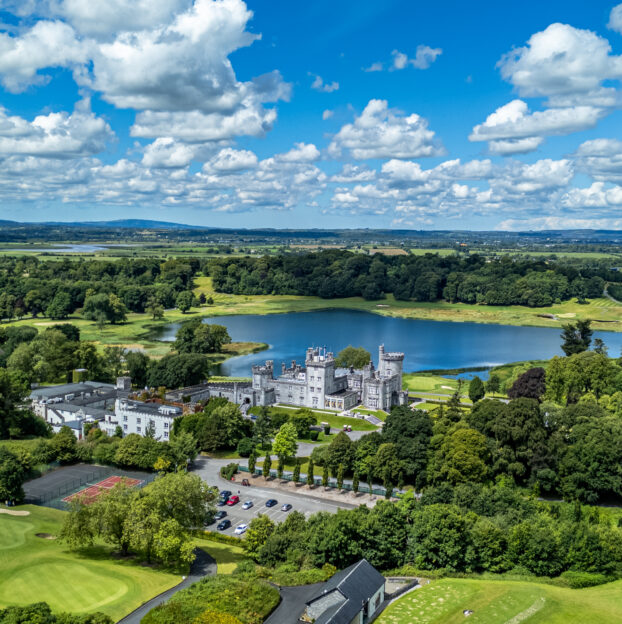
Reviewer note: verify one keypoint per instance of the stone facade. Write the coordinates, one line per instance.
(320, 384)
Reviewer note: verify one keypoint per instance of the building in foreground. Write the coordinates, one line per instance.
(351, 596)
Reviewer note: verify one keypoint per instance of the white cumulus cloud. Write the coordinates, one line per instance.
(380, 132)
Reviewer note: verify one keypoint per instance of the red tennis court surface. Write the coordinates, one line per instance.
(90, 494)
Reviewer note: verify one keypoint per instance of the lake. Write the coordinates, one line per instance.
(426, 344)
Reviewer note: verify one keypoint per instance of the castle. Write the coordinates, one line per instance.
(320, 384)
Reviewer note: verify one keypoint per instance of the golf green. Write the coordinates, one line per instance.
(447, 601)
(35, 567)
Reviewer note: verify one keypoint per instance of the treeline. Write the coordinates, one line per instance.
(57, 288)
(470, 279)
(28, 356)
(466, 528)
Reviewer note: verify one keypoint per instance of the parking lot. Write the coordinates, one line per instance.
(307, 505)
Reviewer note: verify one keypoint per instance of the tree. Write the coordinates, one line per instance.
(183, 448)
(111, 511)
(355, 482)
(107, 307)
(176, 371)
(263, 426)
(280, 467)
(223, 427)
(310, 475)
(79, 527)
(267, 465)
(476, 389)
(184, 301)
(530, 385)
(353, 357)
(296, 472)
(137, 364)
(577, 337)
(325, 476)
(257, 534)
(302, 420)
(440, 538)
(155, 309)
(493, 385)
(252, 460)
(12, 477)
(59, 307)
(285, 444)
(64, 445)
(340, 474)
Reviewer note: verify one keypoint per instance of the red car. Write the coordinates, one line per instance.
(233, 500)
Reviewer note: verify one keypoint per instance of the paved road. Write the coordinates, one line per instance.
(203, 565)
(292, 602)
(209, 470)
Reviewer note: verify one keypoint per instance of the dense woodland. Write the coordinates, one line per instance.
(470, 279)
(32, 287)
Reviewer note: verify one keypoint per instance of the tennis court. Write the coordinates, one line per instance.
(90, 494)
(55, 488)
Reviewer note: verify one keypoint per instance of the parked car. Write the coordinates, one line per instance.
(240, 529)
(234, 500)
(286, 507)
(219, 515)
(225, 494)
(225, 524)
(247, 504)
(271, 502)
(221, 501)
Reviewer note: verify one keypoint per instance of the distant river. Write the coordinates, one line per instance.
(426, 344)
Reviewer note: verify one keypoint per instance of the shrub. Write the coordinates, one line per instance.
(248, 601)
(326, 429)
(577, 580)
(245, 447)
(314, 434)
(228, 471)
(221, 538)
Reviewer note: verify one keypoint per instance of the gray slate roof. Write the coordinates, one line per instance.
(357, 583)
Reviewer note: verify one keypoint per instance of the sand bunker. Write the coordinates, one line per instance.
(14, 512)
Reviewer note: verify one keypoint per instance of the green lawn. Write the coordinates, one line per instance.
(33, 569)
(334, 420)
(422, 382)
(227, 556)
(501, 602)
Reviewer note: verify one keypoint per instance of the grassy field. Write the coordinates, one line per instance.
(227, 556)
(421, 382)
(34, 569)
(502, 602)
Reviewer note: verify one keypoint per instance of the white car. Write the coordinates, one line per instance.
(247, 504)
(240, 529)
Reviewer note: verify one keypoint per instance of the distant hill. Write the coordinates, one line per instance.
(125, 224)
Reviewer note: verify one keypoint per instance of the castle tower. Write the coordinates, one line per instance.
(320, 375)
(390, 364)
(262, 375)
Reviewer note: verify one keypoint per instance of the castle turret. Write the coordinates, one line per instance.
(390, 364)
(262, 375)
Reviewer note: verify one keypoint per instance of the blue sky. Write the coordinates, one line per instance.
(392, 114)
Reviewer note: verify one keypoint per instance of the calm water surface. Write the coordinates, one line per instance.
(427, 344)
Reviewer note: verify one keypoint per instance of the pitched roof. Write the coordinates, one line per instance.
(357, 583)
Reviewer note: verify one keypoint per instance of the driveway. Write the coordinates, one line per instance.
(292, 603)
(203, 565)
